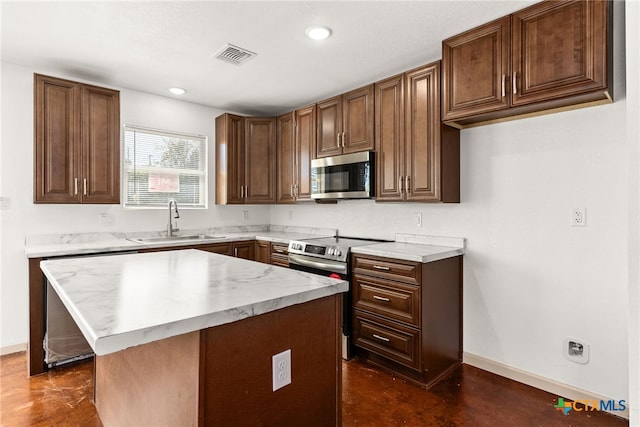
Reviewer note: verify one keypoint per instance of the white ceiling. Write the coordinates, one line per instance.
(151, 46)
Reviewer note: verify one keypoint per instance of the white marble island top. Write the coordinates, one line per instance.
(127, 300)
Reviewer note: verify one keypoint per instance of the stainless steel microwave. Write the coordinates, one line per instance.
(349, 176)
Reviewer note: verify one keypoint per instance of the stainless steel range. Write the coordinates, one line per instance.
(330, 257)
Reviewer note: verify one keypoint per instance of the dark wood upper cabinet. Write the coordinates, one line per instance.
(230, 159)
(550, 56)
(77, 142)
(286, 153)
(345, 123)
(245, 160)
(475, 70)
(418, 158)
(305, 145)
(543, 68)
(260, 163)
(296, 139)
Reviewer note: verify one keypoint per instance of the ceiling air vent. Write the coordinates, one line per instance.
(234, 54)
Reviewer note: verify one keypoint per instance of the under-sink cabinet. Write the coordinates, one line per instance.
(407, 316)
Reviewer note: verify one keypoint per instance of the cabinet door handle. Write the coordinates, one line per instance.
(338, 140)
(246, 191)
(379, 298)
(406, 184)
(84, 186)
(504, 80)
(75, 186)
(242, 191)
(400, 184)
(381, 267)
(343, 134)
(291, 190)
(381, 338)
(295, 190)
(515, 83)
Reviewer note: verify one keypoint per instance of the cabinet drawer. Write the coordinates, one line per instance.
(391, 340)
(404, 271)
(281, 260)
(280, 254)
(397, 301)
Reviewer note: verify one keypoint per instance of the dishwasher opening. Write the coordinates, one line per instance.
(63, 341)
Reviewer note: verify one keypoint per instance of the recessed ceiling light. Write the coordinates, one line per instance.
(177, 91)
(318, 32)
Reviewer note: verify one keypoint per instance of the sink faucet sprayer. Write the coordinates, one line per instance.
(176, 214)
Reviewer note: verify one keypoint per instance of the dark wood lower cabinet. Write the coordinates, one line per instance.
(263, 251)
(407, 316)
(245, 250)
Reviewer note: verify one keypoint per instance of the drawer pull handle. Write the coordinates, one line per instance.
(381, 338)
(280, 251)
(381, 267)
(381, 298)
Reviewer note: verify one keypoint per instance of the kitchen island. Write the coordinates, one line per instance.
(187, 338)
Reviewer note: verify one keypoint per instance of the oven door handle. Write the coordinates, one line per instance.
(336, 267)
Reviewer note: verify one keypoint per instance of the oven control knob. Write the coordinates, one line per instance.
(338, 252)
(330, 251)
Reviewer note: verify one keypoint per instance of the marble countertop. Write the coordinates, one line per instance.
(416, 248)
(91, 243)
(130, 299)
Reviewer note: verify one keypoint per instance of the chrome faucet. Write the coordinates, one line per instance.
(176, 214)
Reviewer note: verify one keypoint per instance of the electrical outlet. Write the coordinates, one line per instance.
(245, 215)
(281, 369)
(575, 350)
(5, 203)
(106, 219)
(418, 219)
(579, 217)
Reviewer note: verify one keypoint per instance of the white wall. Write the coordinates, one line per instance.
(633, 142)
(26, 218)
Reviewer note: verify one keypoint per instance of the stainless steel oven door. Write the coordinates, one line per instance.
(337, 270)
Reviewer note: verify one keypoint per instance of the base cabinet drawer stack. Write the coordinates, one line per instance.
(407, 316)
(280, 254)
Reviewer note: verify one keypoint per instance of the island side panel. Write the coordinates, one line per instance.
(237, 373)
(155, 384)
(36, 318)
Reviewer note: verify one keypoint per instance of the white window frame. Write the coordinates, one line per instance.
(126, 169)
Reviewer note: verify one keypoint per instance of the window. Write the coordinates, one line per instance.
(161, 165)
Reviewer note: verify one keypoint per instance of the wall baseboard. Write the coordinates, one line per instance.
(537, 381)
(13, 349)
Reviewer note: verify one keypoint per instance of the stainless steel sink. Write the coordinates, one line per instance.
(179, 239)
